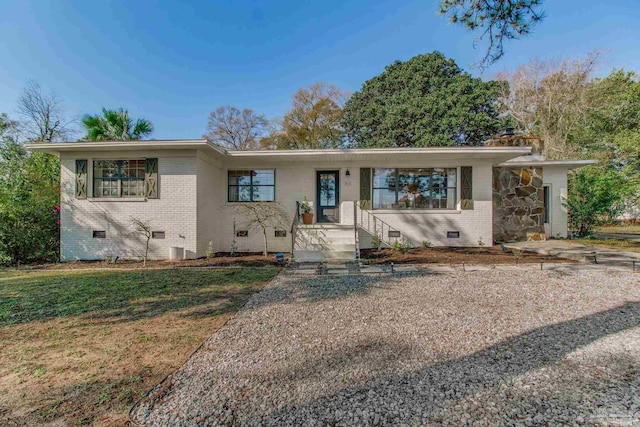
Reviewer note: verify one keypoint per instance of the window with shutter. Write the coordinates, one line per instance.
(81, 179)
(466, 201)
(365, 188)
(151, 179)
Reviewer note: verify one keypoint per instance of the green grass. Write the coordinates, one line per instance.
(622, 245)
(28, 296)
(619, 229)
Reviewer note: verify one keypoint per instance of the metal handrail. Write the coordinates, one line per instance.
(355, 229)
(294, 227)
(377, 223)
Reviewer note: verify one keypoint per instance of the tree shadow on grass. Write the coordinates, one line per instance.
(126, 295)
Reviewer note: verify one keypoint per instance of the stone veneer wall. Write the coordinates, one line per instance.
(518, 204)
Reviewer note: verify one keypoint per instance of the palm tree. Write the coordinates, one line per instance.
(115, 125)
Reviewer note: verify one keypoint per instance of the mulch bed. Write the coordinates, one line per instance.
(439, 255)
(446, 255)
(220, 260)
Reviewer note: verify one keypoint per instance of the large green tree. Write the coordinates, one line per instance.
(30, 182)
(115, 125)
(425, 101)
(29, 203)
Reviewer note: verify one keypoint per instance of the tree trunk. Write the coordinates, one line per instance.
(146, 253)
(266, 249)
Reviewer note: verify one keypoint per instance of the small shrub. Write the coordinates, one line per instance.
(400, 246)
(426, 244)
(210, 252)
(376, 241)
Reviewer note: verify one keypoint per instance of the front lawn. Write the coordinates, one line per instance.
(618, 244)
(79, 347)
(619, 229)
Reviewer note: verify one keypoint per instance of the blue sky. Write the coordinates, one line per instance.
(173, 62)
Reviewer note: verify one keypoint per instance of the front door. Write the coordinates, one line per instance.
(328, 196)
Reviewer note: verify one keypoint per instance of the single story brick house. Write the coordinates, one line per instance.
(190, 190)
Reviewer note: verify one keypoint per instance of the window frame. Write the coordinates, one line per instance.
(119, 178)
(432, 187)
(250, 185)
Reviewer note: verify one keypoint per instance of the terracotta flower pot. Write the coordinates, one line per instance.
(307, 218)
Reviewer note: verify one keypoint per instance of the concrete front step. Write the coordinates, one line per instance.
(308, 240)
(327, 226)
(331, 246)
(317, 256)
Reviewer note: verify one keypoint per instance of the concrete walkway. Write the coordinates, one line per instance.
(619, 236)
(420, 269)
(582, 253)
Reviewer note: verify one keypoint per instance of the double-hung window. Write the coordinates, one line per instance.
(118, 178)
(416, 188)
(258, 185)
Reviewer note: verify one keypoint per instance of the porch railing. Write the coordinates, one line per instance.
(294, 227)
(369, 222)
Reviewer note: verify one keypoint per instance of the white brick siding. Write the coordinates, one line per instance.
(174, 212)
(192, 208)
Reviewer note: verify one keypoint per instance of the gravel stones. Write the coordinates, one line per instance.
(476, 348)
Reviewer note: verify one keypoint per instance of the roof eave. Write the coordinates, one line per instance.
(59, 147)
(570, 164)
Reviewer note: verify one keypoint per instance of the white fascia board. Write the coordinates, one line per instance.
(58, 147)
(571, 164)
(516, 151)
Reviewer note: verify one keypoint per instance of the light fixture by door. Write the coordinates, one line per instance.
(347, 173)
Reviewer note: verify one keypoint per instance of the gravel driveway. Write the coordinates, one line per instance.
(485, 348)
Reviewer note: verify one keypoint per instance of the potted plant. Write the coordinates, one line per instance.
(307, 214)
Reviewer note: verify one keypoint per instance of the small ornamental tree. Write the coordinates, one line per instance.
(143, 228)
(261, 216)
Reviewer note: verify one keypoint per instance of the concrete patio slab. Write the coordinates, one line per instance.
(582, 253)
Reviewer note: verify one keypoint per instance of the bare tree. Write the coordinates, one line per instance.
(43, 115)
(236, 129)
(143, 228)
(262, 216)
(549, 98)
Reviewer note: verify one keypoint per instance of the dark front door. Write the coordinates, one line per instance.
(328, 196)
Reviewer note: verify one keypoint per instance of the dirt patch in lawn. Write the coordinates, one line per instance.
(80, 347)
(445, 255)
(220, 260)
